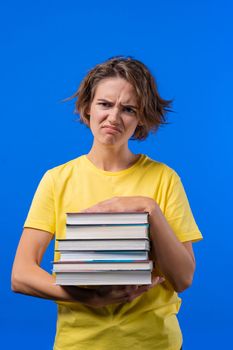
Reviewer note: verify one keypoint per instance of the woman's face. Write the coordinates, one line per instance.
(113, 112)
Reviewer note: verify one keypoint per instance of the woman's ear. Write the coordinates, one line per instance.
(87, 116)
(87, 120)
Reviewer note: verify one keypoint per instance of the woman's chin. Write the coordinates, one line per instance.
(109, 139)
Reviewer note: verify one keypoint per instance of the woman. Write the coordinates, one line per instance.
(117, 100)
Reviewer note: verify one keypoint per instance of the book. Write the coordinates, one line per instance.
(104, 249)
(107, 218)
(74, 266)
(103, 278)
(104, 244)
(103, 255)
(116, 231)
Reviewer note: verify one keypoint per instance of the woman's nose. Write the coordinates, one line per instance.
(114, 115)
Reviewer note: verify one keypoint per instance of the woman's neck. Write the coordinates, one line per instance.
(112, 160)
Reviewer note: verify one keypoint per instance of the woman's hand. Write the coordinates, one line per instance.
(105, 295)
(123, 294)
(175, 260)
(123, 204)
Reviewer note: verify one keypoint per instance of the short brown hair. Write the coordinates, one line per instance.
(152, 108)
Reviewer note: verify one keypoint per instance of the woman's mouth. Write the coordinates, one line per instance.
(111, 129)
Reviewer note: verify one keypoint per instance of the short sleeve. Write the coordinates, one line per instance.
(41, 214)
(178, 212)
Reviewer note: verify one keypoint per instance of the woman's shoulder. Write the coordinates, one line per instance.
(160, 167)
(64, 168)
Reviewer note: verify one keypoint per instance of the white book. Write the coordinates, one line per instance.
(107, 218)
(104, 244)
(107, 231)
(103, 255)
(74, 266)
(103, 278)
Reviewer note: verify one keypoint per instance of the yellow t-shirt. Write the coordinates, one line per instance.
(149, 321)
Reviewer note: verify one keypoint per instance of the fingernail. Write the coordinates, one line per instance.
(156, 280)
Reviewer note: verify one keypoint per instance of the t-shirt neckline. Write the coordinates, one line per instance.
(113, 173)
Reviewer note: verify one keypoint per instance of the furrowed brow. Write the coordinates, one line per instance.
(129, 106)
(122, 104)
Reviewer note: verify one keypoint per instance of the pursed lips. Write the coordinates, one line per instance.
(111, 128)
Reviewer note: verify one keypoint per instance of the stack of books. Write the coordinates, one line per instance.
(104, 249)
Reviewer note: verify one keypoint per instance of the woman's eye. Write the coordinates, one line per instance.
(104, 104)
(129, 110)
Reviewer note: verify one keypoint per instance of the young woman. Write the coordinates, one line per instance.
(117, 100)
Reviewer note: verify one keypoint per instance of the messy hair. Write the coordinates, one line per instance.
(152, 108)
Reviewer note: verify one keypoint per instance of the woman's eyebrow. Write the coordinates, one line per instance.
(129, 106)
(123, 104)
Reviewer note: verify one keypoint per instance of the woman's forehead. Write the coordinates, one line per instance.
(111, 88)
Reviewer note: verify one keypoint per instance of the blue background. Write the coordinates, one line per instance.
(47, 48)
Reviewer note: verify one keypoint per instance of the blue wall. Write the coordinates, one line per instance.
(47, 48)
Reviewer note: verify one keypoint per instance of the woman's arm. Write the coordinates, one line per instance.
(27, 275)
(29, 278)
(174, 259)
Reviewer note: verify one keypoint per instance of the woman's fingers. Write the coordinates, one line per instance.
(117, 291)
(123, 294)
(157, 280)
(144, 288)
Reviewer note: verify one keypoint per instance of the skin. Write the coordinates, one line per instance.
(114, 105)
(113, 120)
